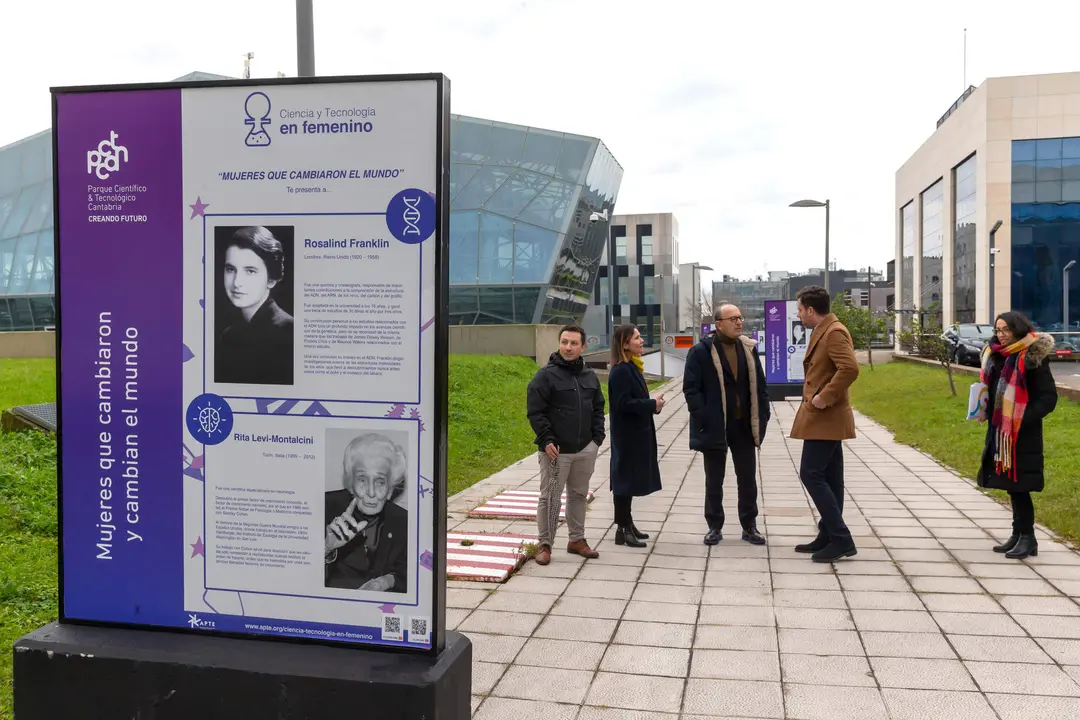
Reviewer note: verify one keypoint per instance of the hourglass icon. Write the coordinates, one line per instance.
(257, 107)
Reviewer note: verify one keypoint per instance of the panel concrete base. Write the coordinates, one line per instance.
(74, 672)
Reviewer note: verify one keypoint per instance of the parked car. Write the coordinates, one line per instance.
(966, 342)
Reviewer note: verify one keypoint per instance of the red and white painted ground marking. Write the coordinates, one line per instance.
(515, 504)
(490, 557)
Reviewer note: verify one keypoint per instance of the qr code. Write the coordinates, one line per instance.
(419, 629)
(391, 628)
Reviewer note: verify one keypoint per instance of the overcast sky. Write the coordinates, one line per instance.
(722, 113)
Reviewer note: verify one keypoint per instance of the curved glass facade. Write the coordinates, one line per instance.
(26, 235)
(1046, 230)
(522, 249)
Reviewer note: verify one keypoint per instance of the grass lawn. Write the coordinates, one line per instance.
(914, 402)
(487, 430)
(27, 516)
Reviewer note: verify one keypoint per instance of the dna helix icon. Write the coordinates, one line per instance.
(411, 216)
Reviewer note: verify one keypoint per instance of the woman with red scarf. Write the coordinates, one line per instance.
(1022, 392)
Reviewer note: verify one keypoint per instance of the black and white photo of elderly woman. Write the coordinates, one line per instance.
(367, 540)
(255, 335)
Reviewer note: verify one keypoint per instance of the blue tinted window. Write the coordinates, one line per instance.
(7, 206)
(541, 151)
(1047, 170)
(551, 207)
(1048, 149)
(483, 185)
(41, 213)
(463, 302)
(22, 267)
(1023, 150)
(1070, 169)
(1023, 192)
(1070, 148)
(41, 281)
(1045, 239)
(525, 300)
(496, 249)
(7, 259)
(574, 158)
(23, 206)
(533, 248)
(1023, 172)
(460, 175)
(964, 235)
(1048, 192)
(1070, 191)
(471, 142)
(505, 145)
(932, 252)
(496, 305)
(464, 246)
(516, 193)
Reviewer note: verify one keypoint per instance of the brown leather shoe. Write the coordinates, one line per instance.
(581, 547)
(543, 555)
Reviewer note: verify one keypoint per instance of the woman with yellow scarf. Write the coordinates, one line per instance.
(635, 469)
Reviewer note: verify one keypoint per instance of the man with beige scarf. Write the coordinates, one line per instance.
(724, 386)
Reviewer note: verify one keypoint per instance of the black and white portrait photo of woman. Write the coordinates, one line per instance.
(367, 534)
(253, 304)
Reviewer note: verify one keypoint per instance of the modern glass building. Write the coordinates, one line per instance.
(26, 235)
(523, 248)
(1004, 162)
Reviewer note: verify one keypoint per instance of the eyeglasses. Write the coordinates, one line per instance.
(1000, 330)
(737, 318)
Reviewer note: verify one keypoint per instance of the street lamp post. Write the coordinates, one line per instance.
(818, 203)
(993, 252)
(1065, 296)
(660, 278)
(305, 39)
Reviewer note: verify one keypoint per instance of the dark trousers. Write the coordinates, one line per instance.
(623, 517)
(741, 444)
(822, 474)
(1023, 512)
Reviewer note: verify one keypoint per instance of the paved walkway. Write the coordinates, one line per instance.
(925, 623)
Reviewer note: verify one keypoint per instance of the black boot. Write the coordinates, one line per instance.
(1026, 546)
(1008, 544)
(819, 543)
(638, 534)
(625, 536)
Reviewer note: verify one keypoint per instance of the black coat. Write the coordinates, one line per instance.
(635, 469)
(1042, 399)
(701, 388)
(259, 352)
(368, 556)
(565, 406)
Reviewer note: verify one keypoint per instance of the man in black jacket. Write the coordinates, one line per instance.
(724, 386)
(566, 411)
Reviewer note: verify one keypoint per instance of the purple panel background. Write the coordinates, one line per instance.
(776, 357)
(133, 270)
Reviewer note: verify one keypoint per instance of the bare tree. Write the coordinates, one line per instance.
(702, 310)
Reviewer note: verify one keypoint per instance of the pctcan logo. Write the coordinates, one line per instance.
(257, 111)
(106, 158)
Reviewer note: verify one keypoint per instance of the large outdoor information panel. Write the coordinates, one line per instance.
(252, 357)
(786, 340)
